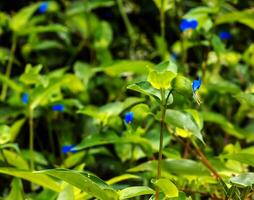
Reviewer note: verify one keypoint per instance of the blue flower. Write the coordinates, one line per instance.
(225, 35)
(195, 86)
(68, 148)
(188, 24)
(43, 7)
(25, 98)
(58, 107)
(174, 56)
(128, 117)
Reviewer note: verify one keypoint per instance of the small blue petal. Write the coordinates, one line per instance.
(225, 35)
(25, 98)
(196, 85)
(188, 24)
(68, 148)
(58, 107)
(128, 117)
(174, 56)
(43, 7)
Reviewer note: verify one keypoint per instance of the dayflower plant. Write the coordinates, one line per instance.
(58, 107)
(195, 86)
(225, 35)
(128, 117)
(43, 7)
(188, 24)
(25, 98)
(68, 148)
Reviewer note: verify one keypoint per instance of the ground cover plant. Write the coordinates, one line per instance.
(124, 99)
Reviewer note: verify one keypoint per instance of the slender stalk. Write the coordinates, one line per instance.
(127, 23)
(9, 67)
(31, 137)
(162, 20)
(163, 112)
(205, 161)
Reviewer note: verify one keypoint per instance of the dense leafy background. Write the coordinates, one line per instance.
(71, 72)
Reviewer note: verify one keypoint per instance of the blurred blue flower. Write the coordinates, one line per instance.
(25, 98)
(58, 107)
(128, 117)
(225, 35)
(174, 56)
(195, 86)
(188, 24)
(68, 148)
(43, 7)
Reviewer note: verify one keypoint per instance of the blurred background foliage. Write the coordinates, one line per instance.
(64, 71)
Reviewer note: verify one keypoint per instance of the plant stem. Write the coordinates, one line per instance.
(9, 67)
(162, 20)
(205, 161)
(163, 112)
(127, 23)
(31, 137)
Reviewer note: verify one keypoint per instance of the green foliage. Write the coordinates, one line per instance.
(71, 71)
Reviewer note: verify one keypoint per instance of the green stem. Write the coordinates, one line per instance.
(9, 68)
(127, 23)
(163, 112)
(162, 20)
(31, 137)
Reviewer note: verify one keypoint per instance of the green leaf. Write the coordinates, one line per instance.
(243, 158)
(146, 88)
(21, 18)
(39, 179)
(245, 17)
(171, 166)
(245, 98)
(67, 193)
(168, 4)
(161, 80)
(103, 35)
(74, 159)
(166, 66)
(15, 159)
(127, 67)
(223, 86)
(134, 191)
(184, 121)
(16, 190)
(227, 126)
(169, 188)
(58, 28)
(15, 128)
(217, 44)
(243, 180)
(111, 138)
(182, 85)
(5, 134)
(41, 95)
(84, 71)
(32, 76)
(122, 177)
(84, 181)
(12, 84)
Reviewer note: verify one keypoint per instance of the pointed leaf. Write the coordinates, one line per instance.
(135, 191)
